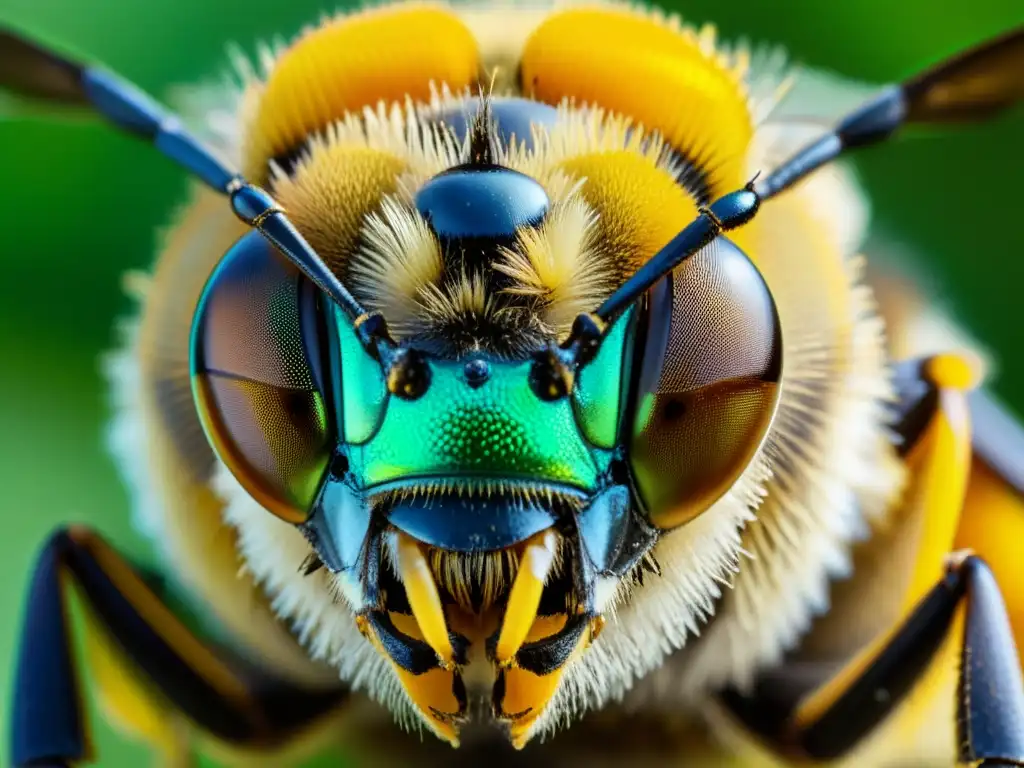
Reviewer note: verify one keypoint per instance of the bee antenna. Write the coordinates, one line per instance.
(29, 70)
(727, 212)
(975, 85)
(588, 330)
(972, 86)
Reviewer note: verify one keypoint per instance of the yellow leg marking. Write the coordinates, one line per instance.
(935, 681)
(939, 465)
(993, 526)
(129, 702)
(534, 568)
(421, 591)
(960, 371)
(128, 697)
(162, 620)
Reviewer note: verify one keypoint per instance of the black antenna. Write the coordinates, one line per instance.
(554, 369)
(970, 87)
(39, 74)
(727, 212)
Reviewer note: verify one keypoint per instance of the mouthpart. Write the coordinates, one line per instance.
(481, 601)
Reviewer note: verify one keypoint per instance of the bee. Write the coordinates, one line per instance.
(529, 393)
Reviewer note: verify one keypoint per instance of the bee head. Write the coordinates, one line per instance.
(482, 488)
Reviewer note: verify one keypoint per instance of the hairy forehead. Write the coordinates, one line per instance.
(578, 106)
(578, 204)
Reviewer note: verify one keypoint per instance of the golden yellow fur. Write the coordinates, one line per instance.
(560, 265)
(354, 61)
(615, 203)
(330, 194)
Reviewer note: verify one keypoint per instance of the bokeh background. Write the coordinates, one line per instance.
(79, 205)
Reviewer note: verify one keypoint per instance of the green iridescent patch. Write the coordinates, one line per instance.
(363, 389)
(499, 430)
(598, 394)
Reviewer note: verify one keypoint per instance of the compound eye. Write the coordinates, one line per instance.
(256, 378)
(709, 383)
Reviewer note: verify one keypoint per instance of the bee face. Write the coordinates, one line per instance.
(480, 507)
(478, 500)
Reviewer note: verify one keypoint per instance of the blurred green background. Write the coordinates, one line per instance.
(79, 205)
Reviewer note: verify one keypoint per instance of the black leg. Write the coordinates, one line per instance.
(221, 694)
(834, 719)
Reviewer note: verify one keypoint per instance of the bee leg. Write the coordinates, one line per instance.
(998, 439)
(222, 695)
(835, 717)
